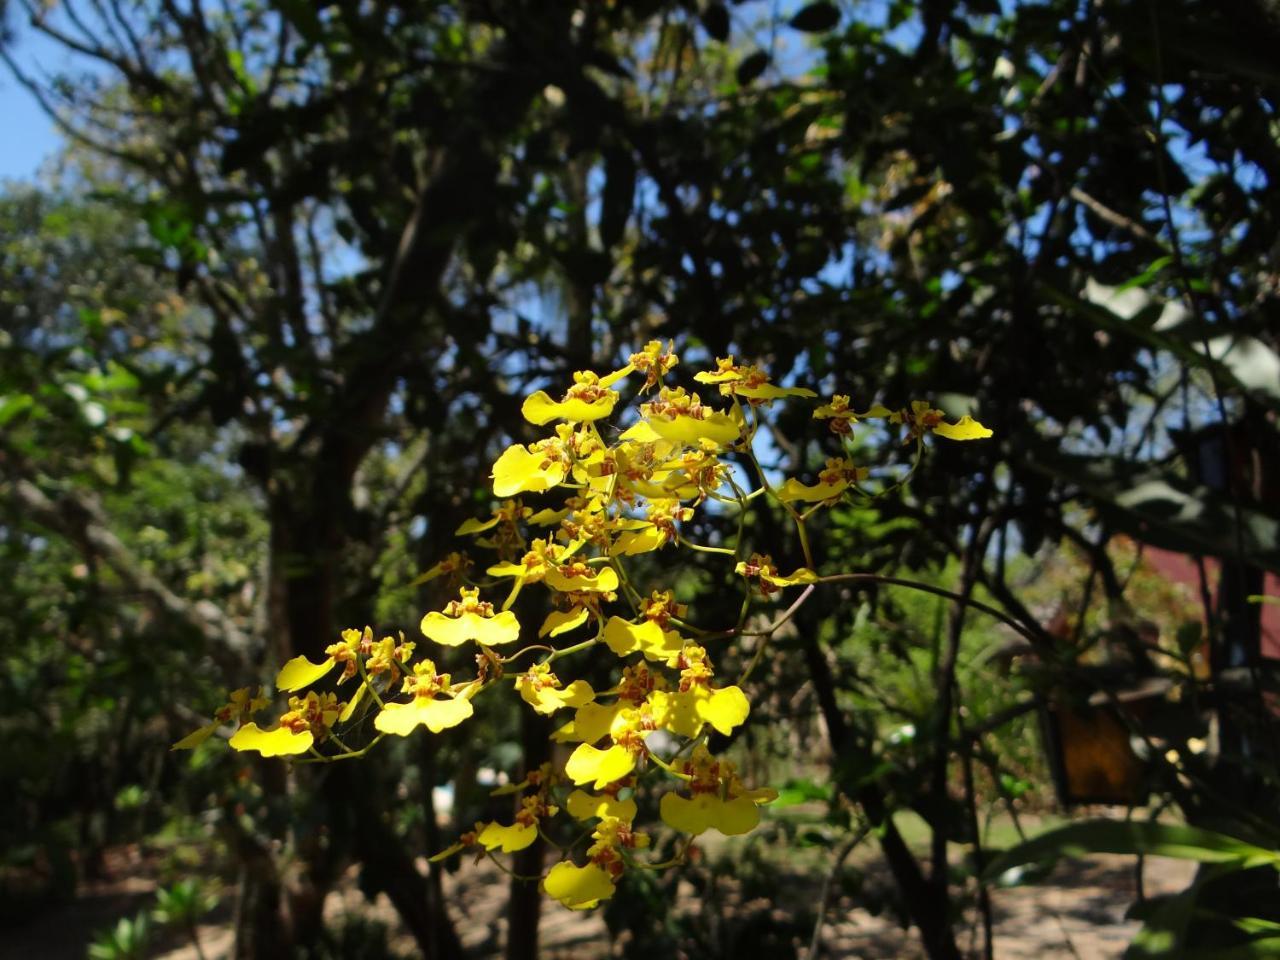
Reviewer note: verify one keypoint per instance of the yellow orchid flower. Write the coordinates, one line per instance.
(654, 532)
(696, 702)
(301, 672)
(542, 465)
(425, 709)
(580, 888)
(718, 800)
(541, 689)
(654, 362)
(746, 381)
(761, 567)
(452, 566)
(469, 618)
(696, 473)
(521, 469)
(579, 576)
(836, 477)
(504, 521)
(681, 418)
(587, 806)
(593, 721)
(628, 730)
(840, 414)
(625, 638)
(522, 833)
(562, 621)
(920, 416)
(307, 722)
(589, 764)
(240, 706)
(588, 399)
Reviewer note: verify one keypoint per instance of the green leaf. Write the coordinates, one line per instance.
(801, 791)
(1133, 837)
(751, 67)
(1146, 276)
(816, 18)
(1252, 950)
(10, 407)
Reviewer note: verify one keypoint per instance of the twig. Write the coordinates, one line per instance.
(815, 941)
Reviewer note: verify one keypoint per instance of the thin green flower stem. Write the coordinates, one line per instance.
(631, 593)
(667, 767)
(364, 676)
(698, 631)
(740, 499)
(523, 650)
(543, 834)
(516, 587)
(338, 740)
(897, 484)
(509, 872)
(675, 861)
(795, 514)
(681, 541)
(936, 591)
(576, 648)
(814, 509)
(354, 755)
(764, 639)
(786, 615)
(744, 611)
(740, 539)
(804, 538)
(690, 745)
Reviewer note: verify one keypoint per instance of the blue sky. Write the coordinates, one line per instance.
(27, 135)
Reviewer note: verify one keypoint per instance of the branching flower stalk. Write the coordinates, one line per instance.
(616, 501)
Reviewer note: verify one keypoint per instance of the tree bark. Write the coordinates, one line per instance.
(928, 910)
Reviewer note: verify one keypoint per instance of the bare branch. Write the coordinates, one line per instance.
(80, 518)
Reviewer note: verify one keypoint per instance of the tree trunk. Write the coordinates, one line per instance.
(927, 908)
(525, 904)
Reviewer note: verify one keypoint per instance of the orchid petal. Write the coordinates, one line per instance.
(195, 738)
(402, 718)
(301, 672)
(585, 806)
(508, 839)
(562, 621)
(519, 471)
(279, 742)
(966, 428)
(540, 409)
(578, 888)
(587, 764)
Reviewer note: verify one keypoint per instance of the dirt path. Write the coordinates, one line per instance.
(1076, 912)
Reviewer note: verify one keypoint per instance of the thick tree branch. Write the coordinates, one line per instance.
(80, 519)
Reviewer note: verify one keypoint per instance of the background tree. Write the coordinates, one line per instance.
(397, 218)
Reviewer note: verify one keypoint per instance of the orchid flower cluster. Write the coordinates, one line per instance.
(649, 730)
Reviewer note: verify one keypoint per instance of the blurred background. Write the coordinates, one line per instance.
(275, 277)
